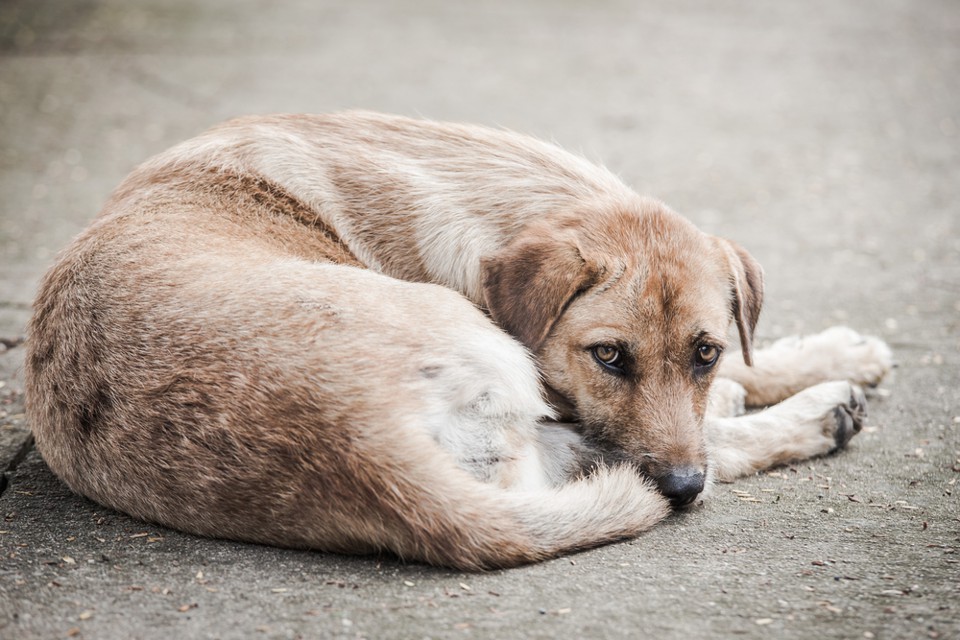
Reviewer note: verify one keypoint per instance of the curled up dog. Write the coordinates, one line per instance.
(361, 332)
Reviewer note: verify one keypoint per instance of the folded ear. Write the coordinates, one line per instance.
(528, 283)
(746, 278)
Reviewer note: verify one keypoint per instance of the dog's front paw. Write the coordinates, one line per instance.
(838, 353)
(817, 421)
(826, 416)
(865, 360)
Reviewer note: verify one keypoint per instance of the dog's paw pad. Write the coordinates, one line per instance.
(849, 417)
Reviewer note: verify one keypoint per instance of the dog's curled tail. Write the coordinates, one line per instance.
(611, 504)
(496, 528)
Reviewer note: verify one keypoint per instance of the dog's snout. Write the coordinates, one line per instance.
(681, 486)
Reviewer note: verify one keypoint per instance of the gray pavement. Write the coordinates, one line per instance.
(823, 135)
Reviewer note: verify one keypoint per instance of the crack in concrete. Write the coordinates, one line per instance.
(160, 86)
(10, 343)
(18, 457)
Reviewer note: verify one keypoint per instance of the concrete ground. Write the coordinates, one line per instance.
(822, 135)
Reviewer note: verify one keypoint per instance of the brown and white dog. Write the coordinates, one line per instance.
(360, 332)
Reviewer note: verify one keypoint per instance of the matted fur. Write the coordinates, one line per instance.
(360, 332)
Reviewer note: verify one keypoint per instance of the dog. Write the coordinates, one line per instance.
(360, 333)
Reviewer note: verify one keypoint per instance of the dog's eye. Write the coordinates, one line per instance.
(609, 357)
(707, 355)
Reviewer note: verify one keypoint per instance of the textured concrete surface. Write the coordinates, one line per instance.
(823, 135)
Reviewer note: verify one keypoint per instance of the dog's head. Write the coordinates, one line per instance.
(627, 312)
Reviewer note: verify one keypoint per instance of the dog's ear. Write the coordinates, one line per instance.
(528, 283)
(746, 278)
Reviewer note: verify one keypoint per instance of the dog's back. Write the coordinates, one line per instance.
(413, 199)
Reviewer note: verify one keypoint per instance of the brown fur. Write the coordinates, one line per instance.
(250, 342)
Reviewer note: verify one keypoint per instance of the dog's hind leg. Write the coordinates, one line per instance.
(276, 400)
(792, 364)
(817, 421)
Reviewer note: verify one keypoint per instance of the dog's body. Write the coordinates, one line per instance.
(274, 332)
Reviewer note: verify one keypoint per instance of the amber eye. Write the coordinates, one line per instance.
(609, 357)
(707, 355)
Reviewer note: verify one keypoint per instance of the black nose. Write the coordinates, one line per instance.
(681, 485)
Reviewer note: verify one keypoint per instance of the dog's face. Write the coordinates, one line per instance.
(627, 313)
